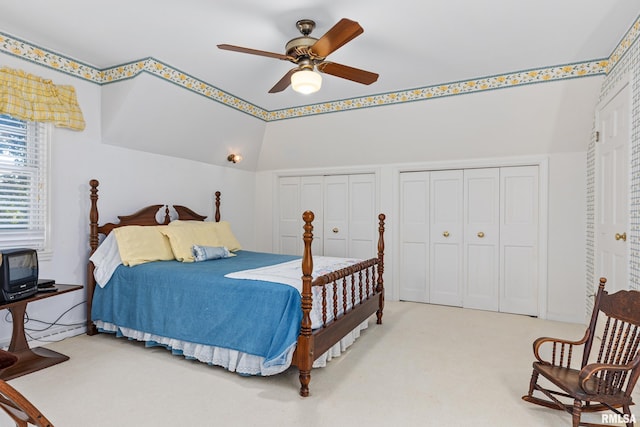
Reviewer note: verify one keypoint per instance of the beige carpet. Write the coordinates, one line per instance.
(427, 365)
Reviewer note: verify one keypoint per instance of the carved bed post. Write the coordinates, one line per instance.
(380, 287)
(93, 243)
(217, 213)
(305, 343)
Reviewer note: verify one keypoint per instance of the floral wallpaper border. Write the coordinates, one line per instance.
(518, 78)
(30, 52)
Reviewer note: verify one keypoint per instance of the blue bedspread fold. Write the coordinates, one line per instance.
(194, 302)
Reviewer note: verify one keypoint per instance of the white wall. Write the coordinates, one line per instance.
(567, 236)
(543, 118)
(149, 114)
(130, 180)
(552, 120)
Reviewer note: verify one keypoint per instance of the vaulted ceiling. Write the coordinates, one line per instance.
(409, 43)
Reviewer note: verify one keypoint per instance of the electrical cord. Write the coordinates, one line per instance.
(9, 319)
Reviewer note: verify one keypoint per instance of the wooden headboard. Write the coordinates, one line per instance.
(145, 216)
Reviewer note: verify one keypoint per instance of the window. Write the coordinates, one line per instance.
(24, 161)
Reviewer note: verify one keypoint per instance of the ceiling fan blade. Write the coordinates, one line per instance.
(341, 33)
(284, 82)
(354, 74)
(254, 51)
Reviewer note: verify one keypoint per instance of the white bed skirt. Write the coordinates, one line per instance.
(232, 360)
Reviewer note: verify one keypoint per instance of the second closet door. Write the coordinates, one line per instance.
(519, 247)
(482, 238)
(349, 216)
(446, 209)
(469, 238)
(336, 215)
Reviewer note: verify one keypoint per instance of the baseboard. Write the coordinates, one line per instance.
(54, 334)
(562, 317)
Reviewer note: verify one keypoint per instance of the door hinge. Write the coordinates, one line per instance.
(597, 136)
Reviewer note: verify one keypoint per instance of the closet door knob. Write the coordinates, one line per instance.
(622, 236)
(445, 234)
(480, 234)
(335, 229)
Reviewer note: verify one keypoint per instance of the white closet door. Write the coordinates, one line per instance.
(311, 199)
(297, 194)
(344, 207)
(362, 217)
(446, 214)
(519, 240)
(482, 238)
(414, 236)
(336, 215)
(290, 217)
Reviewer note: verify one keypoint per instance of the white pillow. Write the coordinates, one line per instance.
(106, 259)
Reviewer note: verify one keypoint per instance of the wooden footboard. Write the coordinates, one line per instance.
(356, 292)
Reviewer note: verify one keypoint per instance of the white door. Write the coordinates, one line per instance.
(519, 258)
(336, 215)
(289, 215)
(349, 216)
(612, 191)
(414, 236)
(446, 238)
(296, 195)
(363, 242)
(478, 229)
(481, 238)
(311, 199)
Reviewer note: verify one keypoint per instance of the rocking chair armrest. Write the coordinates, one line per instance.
(587, 373)
(537, 344)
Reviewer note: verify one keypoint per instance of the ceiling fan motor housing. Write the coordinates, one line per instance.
(300, 47)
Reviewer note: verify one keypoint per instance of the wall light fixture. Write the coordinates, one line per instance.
(234, 158)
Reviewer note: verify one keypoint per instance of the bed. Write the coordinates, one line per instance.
(250, 312)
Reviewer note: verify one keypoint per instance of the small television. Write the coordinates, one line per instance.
(18, 274)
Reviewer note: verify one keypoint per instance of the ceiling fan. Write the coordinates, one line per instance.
(309, 54)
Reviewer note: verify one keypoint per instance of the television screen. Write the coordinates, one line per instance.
(22, 266)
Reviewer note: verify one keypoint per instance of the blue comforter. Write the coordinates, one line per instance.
(194, 302)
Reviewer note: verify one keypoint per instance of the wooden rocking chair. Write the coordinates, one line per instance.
(605, 379)
(21, 411)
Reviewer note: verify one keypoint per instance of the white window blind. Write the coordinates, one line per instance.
(24, 160)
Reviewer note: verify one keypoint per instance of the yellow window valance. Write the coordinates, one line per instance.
(28, 97)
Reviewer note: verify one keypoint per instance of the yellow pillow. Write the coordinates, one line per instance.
(183, 236)
(139, 244)
(226, 236)
(221, 229)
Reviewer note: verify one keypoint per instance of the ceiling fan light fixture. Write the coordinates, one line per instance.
(306, 81)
